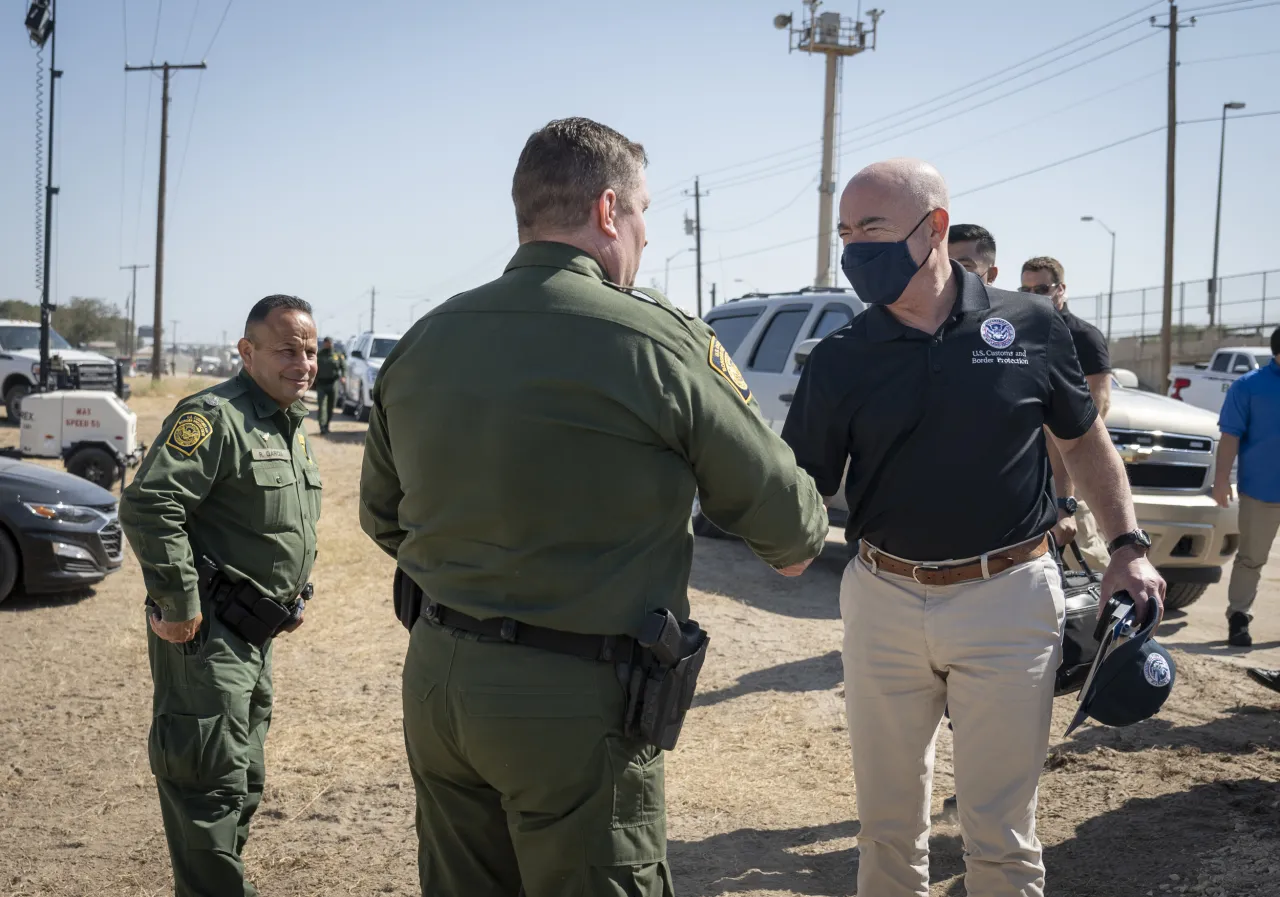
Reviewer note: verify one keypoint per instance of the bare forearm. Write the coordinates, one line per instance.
(1228, 449)
(1099, 477)
(1062, 484)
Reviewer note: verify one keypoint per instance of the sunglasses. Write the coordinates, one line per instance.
(1039, 290)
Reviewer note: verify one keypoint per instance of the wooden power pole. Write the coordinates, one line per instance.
(157, 347)
(1166, 322)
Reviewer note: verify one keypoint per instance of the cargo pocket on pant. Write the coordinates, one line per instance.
(638, 831)
(190, 751)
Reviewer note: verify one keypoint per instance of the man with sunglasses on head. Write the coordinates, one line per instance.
(1045, 276)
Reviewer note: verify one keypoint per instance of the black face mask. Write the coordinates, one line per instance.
(879, 272)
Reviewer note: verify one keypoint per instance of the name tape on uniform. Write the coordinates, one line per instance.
(190, 432)
(722, 364)
(270, 454)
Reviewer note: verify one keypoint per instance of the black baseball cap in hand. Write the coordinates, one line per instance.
(1132, 679)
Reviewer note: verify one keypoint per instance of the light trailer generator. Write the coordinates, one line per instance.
(94, 433)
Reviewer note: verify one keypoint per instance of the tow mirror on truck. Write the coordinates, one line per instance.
(804, 350)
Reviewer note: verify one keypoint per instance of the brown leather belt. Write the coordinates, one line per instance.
(954, 574)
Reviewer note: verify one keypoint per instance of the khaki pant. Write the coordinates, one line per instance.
(1090, 542)
(988, 649)
(1259, 521)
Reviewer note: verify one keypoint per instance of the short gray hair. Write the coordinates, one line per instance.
(564, 168)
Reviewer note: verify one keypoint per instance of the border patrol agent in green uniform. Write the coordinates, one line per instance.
(532, 458)
(330, 367)
(222, 517)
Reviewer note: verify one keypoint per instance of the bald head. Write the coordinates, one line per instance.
(897, 201)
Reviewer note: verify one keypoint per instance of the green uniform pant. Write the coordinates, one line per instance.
(210, 714)
(523, 777)
(325, 393)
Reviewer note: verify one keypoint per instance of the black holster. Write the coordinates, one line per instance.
(243, 609)
(661, 677)
(407, 597)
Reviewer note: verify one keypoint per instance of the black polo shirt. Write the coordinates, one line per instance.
(1091, 345)
(943, 433)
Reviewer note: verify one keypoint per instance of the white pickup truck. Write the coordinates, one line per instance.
(1205, 385)
(72, 368)
(1168, 447)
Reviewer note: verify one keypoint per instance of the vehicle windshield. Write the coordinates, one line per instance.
(1263, 359)
(382, 347)
(15, 339)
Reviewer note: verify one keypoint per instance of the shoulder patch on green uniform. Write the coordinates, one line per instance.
(720, 361)
(191, 431)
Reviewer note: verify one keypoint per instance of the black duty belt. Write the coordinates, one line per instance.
(603, 648)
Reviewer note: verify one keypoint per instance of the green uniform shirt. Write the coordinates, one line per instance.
(330, 365)
(535, 446)
(233, 480)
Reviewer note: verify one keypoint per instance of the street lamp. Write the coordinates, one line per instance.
(1111, 290)
(666, 270)
(750, 286)
(1217, 221)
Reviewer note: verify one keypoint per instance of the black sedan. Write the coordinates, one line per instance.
(57, 531)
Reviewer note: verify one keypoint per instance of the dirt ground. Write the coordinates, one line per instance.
(760, 790)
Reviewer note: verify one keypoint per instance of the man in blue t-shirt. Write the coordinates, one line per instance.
(1250, 425)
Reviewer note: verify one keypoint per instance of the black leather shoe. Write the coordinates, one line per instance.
(1269, 678)
(1238, 631)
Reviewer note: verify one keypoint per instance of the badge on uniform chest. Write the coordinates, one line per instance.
(1000, 335)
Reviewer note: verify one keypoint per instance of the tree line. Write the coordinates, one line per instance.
(81, 320)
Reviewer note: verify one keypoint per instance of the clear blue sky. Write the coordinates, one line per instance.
(336, 146)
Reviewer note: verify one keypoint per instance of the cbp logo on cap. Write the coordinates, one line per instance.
(998, 333)
(1156, 671)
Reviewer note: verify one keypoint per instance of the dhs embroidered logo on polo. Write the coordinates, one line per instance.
(998, 333)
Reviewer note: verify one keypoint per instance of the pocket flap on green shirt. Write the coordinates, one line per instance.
(313, 477)
(272, 474)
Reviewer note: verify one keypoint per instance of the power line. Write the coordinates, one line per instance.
(795, 199)
(955, 113)
(186, 142)
(1037, 57)
(156, 37)
(218, 30)
(1201, 15)
(191, 29)
(1096, 150)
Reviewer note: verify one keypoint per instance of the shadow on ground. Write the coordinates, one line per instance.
(342, 437)
(20, 601)
(811, 674)
(1124, 851)
(728, 567)
(1245, 730)
(786, 861)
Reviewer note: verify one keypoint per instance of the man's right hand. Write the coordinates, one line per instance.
(795, 569)
(177, 633)
(1064, 533)
(1222, 494)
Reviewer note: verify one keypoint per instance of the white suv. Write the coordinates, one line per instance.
(73, 368)
(364, 359)
(763, 332)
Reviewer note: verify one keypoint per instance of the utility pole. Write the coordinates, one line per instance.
(130, 343)
(1166, 325)
(373, 300)
(835, 37)
(694, 229)
(713, 295)
(157, 348)
(1217, 219)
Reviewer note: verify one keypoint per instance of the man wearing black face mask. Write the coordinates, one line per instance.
(936, 397)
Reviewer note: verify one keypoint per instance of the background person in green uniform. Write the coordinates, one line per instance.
(330, 367)
(533, 454)
(233, 481)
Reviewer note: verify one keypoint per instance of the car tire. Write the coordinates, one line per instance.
(362, 410)
(1183, 594)
(96, 465)
(13, 401)
(9, 562)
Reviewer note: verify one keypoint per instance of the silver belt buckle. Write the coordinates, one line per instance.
(918, 567)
